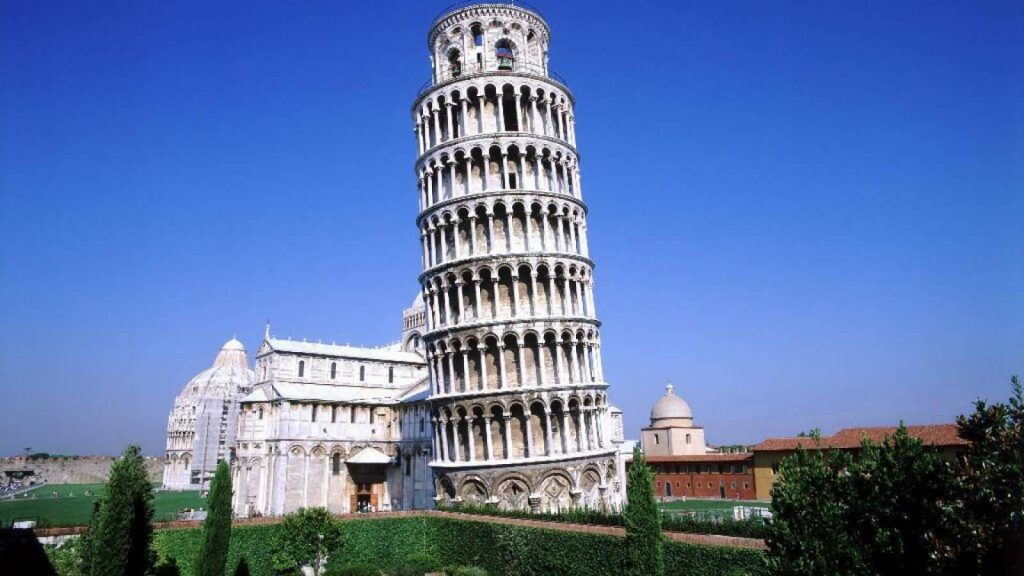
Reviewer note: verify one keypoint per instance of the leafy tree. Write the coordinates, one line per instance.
(305, 538)
(642, 520)
(812, 433)
(884, 511)
(213, 554)
(124, 525)
(66, 558)
(242, 569)
(991, 486)
(85, 541)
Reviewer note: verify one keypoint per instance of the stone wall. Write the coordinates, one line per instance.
(74, 469)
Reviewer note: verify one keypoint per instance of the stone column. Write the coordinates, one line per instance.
(468, 169)
(587, 376)
(458, 297)
(465, 370)
(579, 299)
(536, 173)
(423, 245)
(470, 438)
(556, 367)
(455, 438)
(451, 175)
(501, 366)
(527, 242)
(462, 119)
(456, 242)
(438, 442)
(472, 235)
(504, 171)
(558, 121)
(550, 129)
(508, 434)
(563, 432)
(419, 137)
(533, 114)
(549, 448)
(572, 238)
(437, 126)
(480, 114)
(451, 121)
(450, 358)
(501, 112)
(533, 293)
(515, 295)
(487, 436)
(483, 366)
(527, 417)
(485, 171)
(428, 179)
(444, 244)
(479, 302)
(519, 116)
(540, 360)
(446, 310)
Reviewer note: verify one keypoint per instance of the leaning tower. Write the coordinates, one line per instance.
(512, 338)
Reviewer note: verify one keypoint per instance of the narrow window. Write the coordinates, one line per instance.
(391, 374)
(408, 465)
(260, 413)
(746, 486)
(478, 35)
(657, 439)
(362, 373)
(334, 413)
(687, 438)
(334, 370)
(302, 368)
(336, 464)
(421, 425)
(313, 412)
(371, 415)
(732, 485)
(352, 414)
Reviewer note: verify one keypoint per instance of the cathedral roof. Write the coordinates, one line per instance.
(318, 349)
(670, 406)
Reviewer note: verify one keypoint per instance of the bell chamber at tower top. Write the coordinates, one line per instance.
(485, 38)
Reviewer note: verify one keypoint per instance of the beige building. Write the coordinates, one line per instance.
(672, 431)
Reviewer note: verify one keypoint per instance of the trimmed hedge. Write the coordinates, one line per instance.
(670, 522)
(500, 549)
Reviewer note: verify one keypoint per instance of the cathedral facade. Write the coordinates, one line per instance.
(495, 393)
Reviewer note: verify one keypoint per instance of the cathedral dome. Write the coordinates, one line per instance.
(670, 407)
(233, 344)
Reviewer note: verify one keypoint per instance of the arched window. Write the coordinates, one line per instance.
(506, 58)
(336, 464)
(687, 438)
(259, 413)
(312, 412)
(334, 370)
(455, 63)
(362, 373)
(478, 35)
(391, 374)
(302, 368)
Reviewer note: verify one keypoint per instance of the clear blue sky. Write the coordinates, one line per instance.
(803, 213)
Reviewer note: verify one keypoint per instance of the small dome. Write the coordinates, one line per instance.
(417, 301)
(233, 344)
(670, 406)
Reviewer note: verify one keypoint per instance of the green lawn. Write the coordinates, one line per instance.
(690, 505)
(72, 507)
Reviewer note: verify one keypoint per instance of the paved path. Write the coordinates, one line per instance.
(705, 539)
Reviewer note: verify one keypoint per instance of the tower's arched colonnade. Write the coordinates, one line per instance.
(511, 336)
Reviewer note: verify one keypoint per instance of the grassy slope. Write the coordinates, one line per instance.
(67, 510)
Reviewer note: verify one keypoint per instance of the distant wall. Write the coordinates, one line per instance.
(74, 469)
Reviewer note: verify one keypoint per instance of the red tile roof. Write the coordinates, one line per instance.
(701, 458)
(931, 434)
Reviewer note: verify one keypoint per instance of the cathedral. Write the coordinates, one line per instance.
(495, 393)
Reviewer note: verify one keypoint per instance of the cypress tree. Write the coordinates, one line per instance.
(124, 526)
(642, 521)
(213, 554)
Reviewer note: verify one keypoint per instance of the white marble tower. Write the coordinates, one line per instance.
(512, 338)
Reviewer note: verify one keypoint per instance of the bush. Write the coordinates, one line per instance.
(463, 571)
(416, 564)
(501, 550)
(670, 522)
(355, 570)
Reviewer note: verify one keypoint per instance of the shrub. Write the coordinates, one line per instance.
(213, 554)
(642, 521)
(416, 564)
(305, 538)
(355, 570)
(121, 540)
